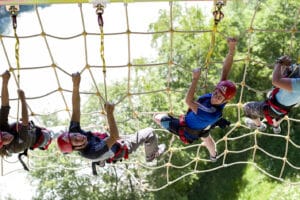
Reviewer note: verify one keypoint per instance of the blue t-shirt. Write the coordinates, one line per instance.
(95, 148)
(287, 98)
(207, 114)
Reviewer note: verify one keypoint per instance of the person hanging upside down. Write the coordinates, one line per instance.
(100, 147)
(19, 136)
(284, 95)
(205, 113)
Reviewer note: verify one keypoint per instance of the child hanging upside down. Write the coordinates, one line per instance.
(19, 136)
(101, 147)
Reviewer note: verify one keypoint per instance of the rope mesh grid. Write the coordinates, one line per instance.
(97, 70)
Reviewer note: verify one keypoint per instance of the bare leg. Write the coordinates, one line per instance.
(4, 92)
(114, 132)
(210, 144)
(157, 118)
(76, 97)
(275, 123)
(276, 126)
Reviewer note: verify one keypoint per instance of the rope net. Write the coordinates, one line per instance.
(42, 56)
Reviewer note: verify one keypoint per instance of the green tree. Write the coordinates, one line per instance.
(146, 94)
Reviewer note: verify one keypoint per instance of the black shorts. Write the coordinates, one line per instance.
(172, 124)
(4, 111)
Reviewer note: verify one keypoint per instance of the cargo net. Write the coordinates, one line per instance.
(126, 58)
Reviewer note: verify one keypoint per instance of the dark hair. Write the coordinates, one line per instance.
(293, 71)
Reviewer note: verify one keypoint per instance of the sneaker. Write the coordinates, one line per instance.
(277, 130)
(250, 123)
(214, 158)
(159, 152)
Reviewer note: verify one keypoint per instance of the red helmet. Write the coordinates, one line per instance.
(1, 142)
(64, 143)
(227, 88)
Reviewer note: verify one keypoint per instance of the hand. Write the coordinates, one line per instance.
(284, 60)
(196, 73)
(21, 94)
(231, 42)
(76, 78)
(223, 123)
(109, 107)
(6, 76)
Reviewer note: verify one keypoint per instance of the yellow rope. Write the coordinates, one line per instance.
(171, 61)
(211, 47)
(218, 15)
(103, 59)
(18, 73)
(172, 151)
(17, 56)
(14, 12)
(100, 11)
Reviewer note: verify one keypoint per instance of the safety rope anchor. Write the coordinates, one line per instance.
(99, 12)
(220, 4)
(13, 10)
(218, 14)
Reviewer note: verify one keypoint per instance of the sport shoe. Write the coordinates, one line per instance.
(159, 152)
(214, 158)
(277, 130)
(250, 123)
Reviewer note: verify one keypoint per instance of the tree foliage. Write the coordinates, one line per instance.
(271, 35)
